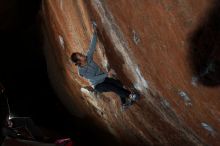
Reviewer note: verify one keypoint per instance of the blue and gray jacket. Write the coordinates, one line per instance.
(91, 70)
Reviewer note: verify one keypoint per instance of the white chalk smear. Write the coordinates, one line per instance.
(136, 37)
(185, 98)
(61, 41)
(208, 128)
(93, 99)
(165, 103)
(140, 81)
(194, 81)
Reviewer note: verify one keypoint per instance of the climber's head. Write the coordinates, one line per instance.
(78, 58)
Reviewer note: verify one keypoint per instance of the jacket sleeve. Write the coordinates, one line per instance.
(92, 47)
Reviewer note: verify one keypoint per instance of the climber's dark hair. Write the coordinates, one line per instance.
(74, 58)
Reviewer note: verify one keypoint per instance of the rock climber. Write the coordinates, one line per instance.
(101, 81)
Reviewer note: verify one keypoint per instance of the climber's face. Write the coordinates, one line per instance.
(81, 59)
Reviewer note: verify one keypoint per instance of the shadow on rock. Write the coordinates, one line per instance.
(204, 45)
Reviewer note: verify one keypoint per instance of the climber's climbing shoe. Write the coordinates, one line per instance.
(134, 96)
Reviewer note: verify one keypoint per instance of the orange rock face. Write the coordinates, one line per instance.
(168, 50)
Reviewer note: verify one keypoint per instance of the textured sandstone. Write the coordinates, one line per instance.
(148, 44)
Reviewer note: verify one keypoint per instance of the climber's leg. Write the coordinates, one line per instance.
(106, 87)
(114, 82)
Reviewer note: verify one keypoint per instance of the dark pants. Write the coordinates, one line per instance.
(113, 85)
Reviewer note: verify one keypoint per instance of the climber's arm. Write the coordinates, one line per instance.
(92, 47)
